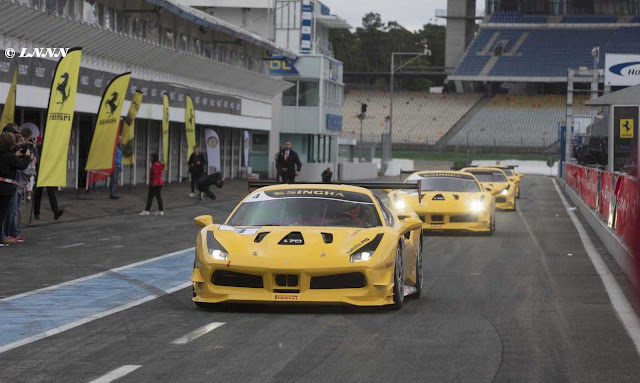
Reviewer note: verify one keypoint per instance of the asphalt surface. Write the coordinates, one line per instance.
(525, 305)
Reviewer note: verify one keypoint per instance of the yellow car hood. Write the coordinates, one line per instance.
(318, 246)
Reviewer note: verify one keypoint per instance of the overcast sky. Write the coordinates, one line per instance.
(411, 14)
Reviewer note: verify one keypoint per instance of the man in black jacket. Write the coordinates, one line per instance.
(197, 163)
(289, 163)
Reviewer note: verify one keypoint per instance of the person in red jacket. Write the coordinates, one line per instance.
(155, 185)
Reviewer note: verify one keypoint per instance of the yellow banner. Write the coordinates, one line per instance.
(128, 147)
(165, 130)
(9, 110)
(106, 132)
(190, 125)
(62, 101)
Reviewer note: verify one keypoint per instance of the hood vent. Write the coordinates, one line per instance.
(293, 238)
(327, 237)
(456, 197)
(260, 236)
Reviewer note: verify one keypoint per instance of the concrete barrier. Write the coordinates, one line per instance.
(615, 245)
(353, 171)
(395, 166)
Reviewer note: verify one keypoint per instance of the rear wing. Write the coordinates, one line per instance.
(512, 167)
(253, 185)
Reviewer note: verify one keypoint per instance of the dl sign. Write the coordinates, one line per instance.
(282, 66)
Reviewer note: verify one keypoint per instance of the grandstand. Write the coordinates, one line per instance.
(418, 117)
(516, 122)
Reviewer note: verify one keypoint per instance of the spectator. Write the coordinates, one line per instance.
(289, 163)
(278, 170)
(327, 175)
(12, 159)
(117, 169)
(155, 185)
(51, 192)
(10, 227)
(197, 163)
(206, 181)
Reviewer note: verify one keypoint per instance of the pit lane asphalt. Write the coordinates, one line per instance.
(512, 307)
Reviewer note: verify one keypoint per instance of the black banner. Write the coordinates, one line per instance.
(625, 137)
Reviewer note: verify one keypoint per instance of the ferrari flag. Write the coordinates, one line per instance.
(190, 125)
(165, 130)
(8, 113)
(62, 101)
(128, 132)
(106, 132)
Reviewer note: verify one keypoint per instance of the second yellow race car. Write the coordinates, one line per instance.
(309, 243)
(496, 181)
(447, 201)
(509, 170)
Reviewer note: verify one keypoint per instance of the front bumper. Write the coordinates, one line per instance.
(297, 286)
(455, 222)
(507, 202)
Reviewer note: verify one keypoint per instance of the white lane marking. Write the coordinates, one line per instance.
(179, 287)
(116, 374)
(77, 323)
(69, 246)
(195, 334)
(93, 276)
(619, 301)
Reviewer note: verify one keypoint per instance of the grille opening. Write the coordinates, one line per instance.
(285, 291)
(501, 199)
(437, 218)
(286, 280)
(463, 218)
(339, 281)
(233, 279)
(260, 236)
(327, 237)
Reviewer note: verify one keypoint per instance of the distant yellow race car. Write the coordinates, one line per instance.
(509, 170)
(496, 181)
(448, 200)
(309, 243)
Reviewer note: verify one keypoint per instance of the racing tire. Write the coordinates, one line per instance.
(514, 204)
(419, 275)
(398, 281)
(518, 192)
(492, 224)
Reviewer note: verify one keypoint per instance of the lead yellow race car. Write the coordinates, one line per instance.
(447, 201)
(309, 243)
(494, 180)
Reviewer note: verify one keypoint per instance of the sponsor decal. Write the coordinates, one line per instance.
(309, 192)
(287, 297)
(438, 197)
(626, 128)
(358, 245)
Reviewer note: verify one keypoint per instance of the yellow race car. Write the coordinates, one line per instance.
(494, 180)
(448, 200)
(509, 170)
(309, 243)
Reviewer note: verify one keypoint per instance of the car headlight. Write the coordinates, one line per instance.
(506, 190)
(366, 252)
(216, 250)
(399, 204)
(477, 206)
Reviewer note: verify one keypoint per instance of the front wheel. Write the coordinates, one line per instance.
(419, 274)
(398, 281)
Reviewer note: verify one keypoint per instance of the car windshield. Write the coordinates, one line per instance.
(490, 176)
(301, 211)
(509, 172)
(446, 184)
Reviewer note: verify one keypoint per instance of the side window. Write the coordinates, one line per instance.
(386, 213)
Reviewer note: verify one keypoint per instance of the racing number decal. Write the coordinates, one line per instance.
(626, 128)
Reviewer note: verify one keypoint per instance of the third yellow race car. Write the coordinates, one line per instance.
(448, 200)
(496, 181)
(309, 243)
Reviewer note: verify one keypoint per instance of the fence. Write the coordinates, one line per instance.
(613, 196)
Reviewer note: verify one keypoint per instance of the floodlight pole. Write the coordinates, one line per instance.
(416, 55)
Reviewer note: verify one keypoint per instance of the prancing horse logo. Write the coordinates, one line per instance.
(62, 89)
(112, 103)
(191, 118)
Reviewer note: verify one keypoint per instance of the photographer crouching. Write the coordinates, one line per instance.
(13, 158)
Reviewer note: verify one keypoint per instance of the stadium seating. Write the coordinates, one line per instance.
(516, 17)
(544, 52)
(516, 121)
(418, 117)
(588, 19)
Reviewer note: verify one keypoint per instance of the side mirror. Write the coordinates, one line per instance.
(203, 220)
(409, 224)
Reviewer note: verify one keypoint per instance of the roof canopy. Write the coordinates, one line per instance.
(626, 96)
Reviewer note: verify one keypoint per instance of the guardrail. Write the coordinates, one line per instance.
(613, 196)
